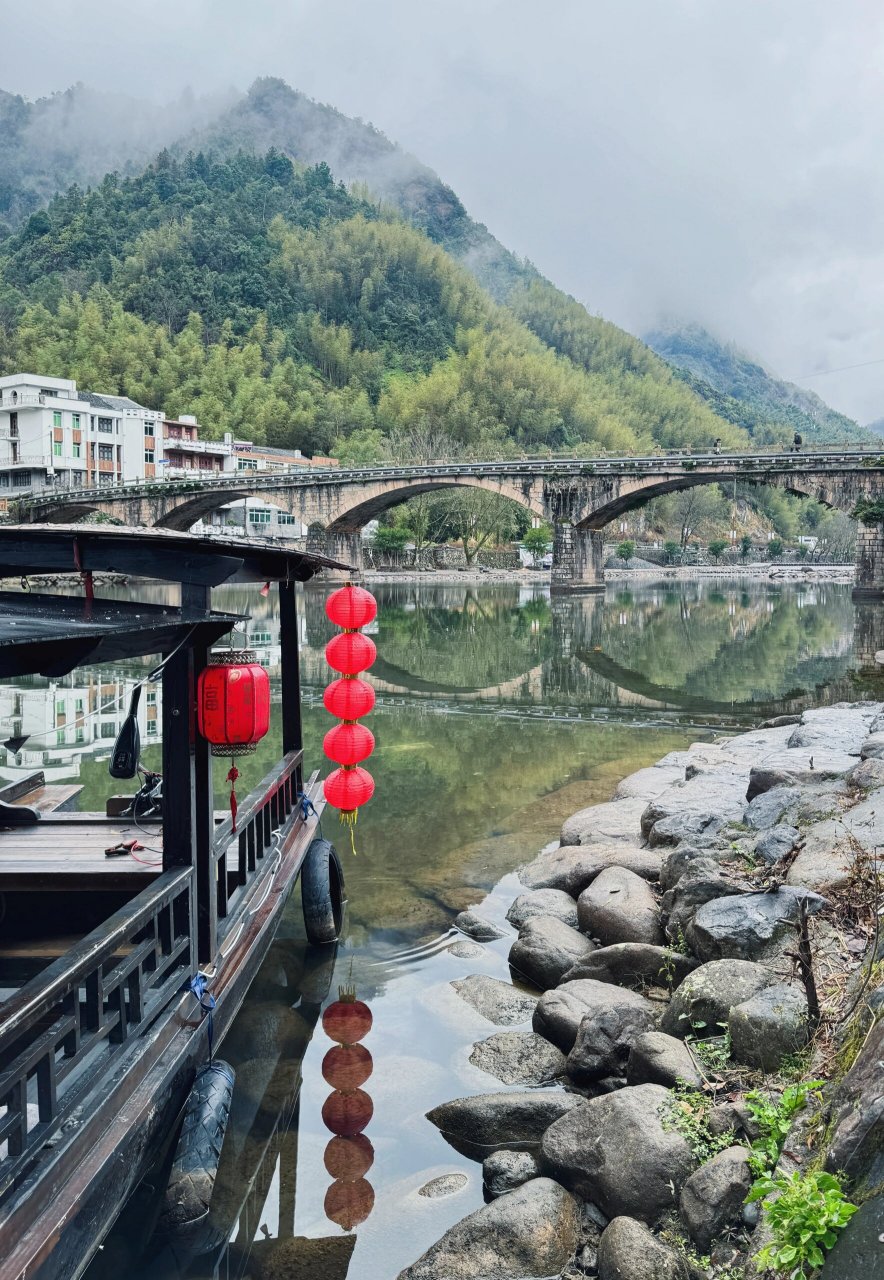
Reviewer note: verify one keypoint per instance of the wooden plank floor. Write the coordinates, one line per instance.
(66, 851)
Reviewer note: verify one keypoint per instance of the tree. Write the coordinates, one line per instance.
(775, 548)
(691, 508)
(391, 537)
(745, 547)
(671, 551)
(537, 540)
(717, 548)
(626, 551)
(476, 517)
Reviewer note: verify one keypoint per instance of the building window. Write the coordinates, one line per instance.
(13, 424)
(81, 735)
(79, 705)
(105, 453)
(151, 697)
(259, 516)
(106, 425)
(149, 428)
(56, 417)
(246, 464)
(21, 479)
(75, 421)
(76, 448)
(148, 455)
(260, 637)
(56, 448)
(4, 479)
(59, 738)
(151, 728)
(108, 729)
(284, 518)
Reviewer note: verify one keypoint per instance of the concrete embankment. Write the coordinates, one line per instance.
(686, 960)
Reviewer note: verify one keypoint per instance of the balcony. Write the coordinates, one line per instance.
(24, 400)
(171, 444)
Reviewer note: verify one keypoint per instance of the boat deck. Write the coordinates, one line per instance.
(67, 851)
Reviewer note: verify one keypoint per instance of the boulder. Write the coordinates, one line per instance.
(684, 826)
(762, 778)
(546, 949)
(767, 809)
(465, 950)
(707, 995)
(656, 1058)
(532, 1231)
(499, 1002)
(503, 1171)
(706, 801)
(712, 1198)
(543, 902)
(868, 774)
(858, 1253)
(619, 906)
(682, 861)
(628, 1250)
(826, 860)
(519, 1057)
(616, 821)
(571, 868)
(856, 1144)
(606, 1034)
(703, 882)
(560, 1012)
(647, 784)
(634, 964)
(445, 1185)
(873, 747)
(769, 1026)
(488, 1122)
(614, 1151)
(749, 926)
(477, 927)
(777, 843)
(842, 728)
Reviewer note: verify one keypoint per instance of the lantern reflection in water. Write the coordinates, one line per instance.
(347, 1111)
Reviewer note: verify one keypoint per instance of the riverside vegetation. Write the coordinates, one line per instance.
(693, 1035)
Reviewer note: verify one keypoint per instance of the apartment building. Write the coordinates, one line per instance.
(264, 457)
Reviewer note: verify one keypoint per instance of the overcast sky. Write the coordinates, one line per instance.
(717, 160)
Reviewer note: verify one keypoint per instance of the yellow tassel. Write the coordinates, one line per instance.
(349, 818)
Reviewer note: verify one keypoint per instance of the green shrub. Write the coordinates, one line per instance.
(687, 1112)
(774, 1118)
(805, 1213)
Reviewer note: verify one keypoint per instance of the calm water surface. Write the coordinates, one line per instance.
(499, 713)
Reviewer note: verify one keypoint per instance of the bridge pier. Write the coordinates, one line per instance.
(869, 560)
(337, 544)
(578, 558)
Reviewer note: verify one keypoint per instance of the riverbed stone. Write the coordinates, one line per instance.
(856, 1145)
(543, 902)
(712, 1198)
(858, 1253)
(873, 747)
(571, 868)
(634, 964)
(777, 843)
(707, 995)
(768, 808)
(546, 949)
(445, 1185)
(647, 784)
(689, 859)
(465, 950)
(708, 799)
(560, 1012)
(620, 906)
(532, 1231)
(749, 926)
(519, 1057)
(628, 1250)
(616, 821)
(477, 927)
(503, 1171)
(867, 775)
(606, 1033)
(704, 882)
(825, 861)
(769, 1026)
(657, 1058)
(840, 728)
(499, 1002)
(487, 1122)
(684, 826)
(615, 1152)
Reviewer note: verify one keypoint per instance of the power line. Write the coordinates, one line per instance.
(843, 369)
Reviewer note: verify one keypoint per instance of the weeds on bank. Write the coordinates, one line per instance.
(687, 1112)
(805, 1213)
(714, 1053)
(774, 1116)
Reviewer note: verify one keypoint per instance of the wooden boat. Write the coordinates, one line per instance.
(100, 1032)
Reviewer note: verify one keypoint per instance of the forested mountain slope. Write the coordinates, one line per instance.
(274, 302)
(743, 391)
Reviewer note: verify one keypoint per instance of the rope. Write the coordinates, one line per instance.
(199, 989)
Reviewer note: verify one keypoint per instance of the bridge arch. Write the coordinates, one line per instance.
(358, 515)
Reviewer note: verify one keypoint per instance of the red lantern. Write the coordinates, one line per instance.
(349, 788)
(348, 1020)
(349, 1158)
(347, 1114)
(347, 1066)
(233, 702)
(349, 1203)
(348, 743)
(348, 698)
(350, 653)
(351, 607)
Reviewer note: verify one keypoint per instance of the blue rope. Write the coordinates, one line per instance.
(199, 987)
(307, 807)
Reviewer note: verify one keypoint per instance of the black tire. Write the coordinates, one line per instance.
(322, 893)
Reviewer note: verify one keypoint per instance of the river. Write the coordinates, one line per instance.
(500, 712)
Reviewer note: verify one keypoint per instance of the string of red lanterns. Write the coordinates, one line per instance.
(347, 1111)
(349, 743)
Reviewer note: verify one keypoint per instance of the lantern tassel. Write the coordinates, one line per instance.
(348, 817)
(232, 775)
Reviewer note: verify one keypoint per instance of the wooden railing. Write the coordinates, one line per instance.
(267, 812)
(64, 1029)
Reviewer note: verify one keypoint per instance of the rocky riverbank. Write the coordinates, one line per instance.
(694, 1012)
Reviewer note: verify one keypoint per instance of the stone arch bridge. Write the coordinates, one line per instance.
(578, 498)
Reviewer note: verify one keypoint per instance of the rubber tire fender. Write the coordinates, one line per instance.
(322, 892)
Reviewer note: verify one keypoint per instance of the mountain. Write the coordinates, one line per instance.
(741, 390)
(876, 427)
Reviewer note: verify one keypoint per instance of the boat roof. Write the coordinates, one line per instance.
(31, 549)
(51, 635)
